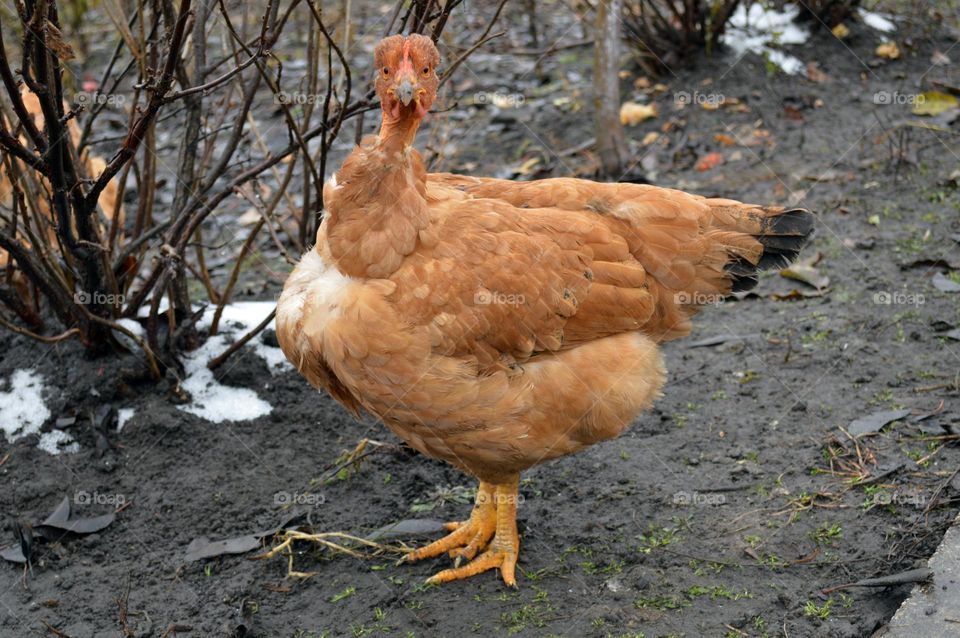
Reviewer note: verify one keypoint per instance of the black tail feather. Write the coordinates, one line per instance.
(783, 236)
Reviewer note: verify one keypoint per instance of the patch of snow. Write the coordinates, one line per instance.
(756, 29)
(58, 441)
(124, 415)
(212, 400)
(22, 410)
(133, 326)
(240, 318)
(877, 21)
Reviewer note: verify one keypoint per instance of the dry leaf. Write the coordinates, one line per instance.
(650, 138)
(527, 167)
(805, 271)
(724, 139)
(934, 103)
(888, 50)
(840, 31)
(57, 45)
(632, 113)
(250, 217)
(709, 161)
(939, 59)
(815, 74)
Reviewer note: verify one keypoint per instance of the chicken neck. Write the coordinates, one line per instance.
(378, 207)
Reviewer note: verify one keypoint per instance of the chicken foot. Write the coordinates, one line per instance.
(494, 515)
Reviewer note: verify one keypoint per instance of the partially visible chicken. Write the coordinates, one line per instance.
(92, 167)
(497, 325)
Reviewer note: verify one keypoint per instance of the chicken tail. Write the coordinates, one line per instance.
(698, 251)
(782, 234)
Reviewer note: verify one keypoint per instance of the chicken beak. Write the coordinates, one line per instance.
(405, 90)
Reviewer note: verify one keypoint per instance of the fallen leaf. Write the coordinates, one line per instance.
(13, 554)
(632, 113)
(888, 50)
(56, 44)
(875, 422)
(939, 59)
(720, 339)
(797, 294)
(709, 161)
(944, 283)
(931, 263)
(815, 74)
(251, 216)
(409, 528)
(527, 167)
(650, 138)
(54, 528)
(829, 175)
(724, 139)
(934, 103)
(805, 271)
(840, 31)
(200, 548)
(793, 113)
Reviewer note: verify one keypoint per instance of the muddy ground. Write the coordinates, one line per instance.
(722, 512)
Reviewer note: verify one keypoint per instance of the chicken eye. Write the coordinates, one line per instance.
(426, 70)
(386, 70)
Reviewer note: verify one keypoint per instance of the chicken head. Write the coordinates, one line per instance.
(406, 75)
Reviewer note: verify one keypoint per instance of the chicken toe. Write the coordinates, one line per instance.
(503, 550)
(469, 536)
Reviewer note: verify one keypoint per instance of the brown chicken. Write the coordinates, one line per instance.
(497, 325)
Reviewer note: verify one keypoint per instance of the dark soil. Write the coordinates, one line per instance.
(723, 511)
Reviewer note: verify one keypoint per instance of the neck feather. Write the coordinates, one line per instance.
(376, 211)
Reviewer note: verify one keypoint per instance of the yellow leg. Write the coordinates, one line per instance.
(505, 547)
(468, 537)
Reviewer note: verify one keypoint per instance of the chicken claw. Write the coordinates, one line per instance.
(469, 536)
(495, 514)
